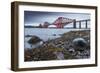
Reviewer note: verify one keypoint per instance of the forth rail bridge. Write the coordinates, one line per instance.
(62, 21)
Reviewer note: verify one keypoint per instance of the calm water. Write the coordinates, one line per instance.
(44, 33)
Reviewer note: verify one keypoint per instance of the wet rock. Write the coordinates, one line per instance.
(59, 55)
(35, 41)
(80, 44)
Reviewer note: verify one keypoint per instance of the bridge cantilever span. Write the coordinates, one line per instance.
(61, 22)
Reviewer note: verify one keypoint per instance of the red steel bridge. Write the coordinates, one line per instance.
(61, 22)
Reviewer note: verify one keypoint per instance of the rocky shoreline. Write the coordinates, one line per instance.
(61, 48)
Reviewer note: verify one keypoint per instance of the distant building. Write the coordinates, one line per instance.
(40, 25)
(45, 25)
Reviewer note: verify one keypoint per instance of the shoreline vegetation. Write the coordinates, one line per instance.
(61, 48)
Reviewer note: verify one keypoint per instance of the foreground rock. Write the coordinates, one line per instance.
(81, 43)
(35, 41)
(68, 46)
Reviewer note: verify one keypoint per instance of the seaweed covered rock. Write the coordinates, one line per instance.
(41, 53)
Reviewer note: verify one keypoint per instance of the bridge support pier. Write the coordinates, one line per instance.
(74, 23)
(86, 24)
(80, 24)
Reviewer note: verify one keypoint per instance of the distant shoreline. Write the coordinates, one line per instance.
(53, 27)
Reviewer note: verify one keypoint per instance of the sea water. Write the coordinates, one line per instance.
(44, 34)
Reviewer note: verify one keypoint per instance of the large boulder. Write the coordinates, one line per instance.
(34, 40)
(79, 42)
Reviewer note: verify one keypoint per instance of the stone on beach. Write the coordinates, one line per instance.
(35, 41)
(80, 42)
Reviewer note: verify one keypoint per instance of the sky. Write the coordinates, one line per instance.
(37, 17)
